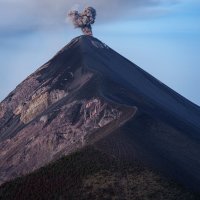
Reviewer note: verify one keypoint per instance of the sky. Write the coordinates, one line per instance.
(160, 36)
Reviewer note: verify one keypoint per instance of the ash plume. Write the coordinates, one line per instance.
(83, 20)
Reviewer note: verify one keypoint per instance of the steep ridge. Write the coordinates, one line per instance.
(133, 81)
(89, 94)
(52, 113)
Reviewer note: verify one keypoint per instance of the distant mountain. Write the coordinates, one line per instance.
(90, 95)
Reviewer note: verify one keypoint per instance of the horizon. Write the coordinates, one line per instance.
(163, 39)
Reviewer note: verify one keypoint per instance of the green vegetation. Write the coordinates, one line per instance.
(91, 174)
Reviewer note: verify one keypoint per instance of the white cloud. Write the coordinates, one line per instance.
(20, 15)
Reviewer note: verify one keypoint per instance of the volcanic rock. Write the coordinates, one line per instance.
(88, 94)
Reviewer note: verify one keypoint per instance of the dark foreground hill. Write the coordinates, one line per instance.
(90, 95)
(92, 174)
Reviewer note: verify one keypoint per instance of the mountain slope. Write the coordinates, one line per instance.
(89, 94)
(91, 174)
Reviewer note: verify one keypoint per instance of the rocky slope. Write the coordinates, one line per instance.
(89, 94)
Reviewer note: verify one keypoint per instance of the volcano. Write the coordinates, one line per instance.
(88, 94)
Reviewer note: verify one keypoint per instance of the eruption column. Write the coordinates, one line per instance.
(83, 20)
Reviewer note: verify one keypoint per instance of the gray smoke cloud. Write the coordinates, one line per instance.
(83, 20)
(22, 16)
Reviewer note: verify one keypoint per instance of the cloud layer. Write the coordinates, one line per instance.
(23, 15)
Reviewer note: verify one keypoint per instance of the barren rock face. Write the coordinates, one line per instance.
(34, 107)
(56, 95)
(86, 93)
(2, 110)
(53, 112)
(38, 103)
(18, 110)
(23, 92)
(54, 135)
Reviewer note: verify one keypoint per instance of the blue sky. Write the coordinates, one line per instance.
(162, 37)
